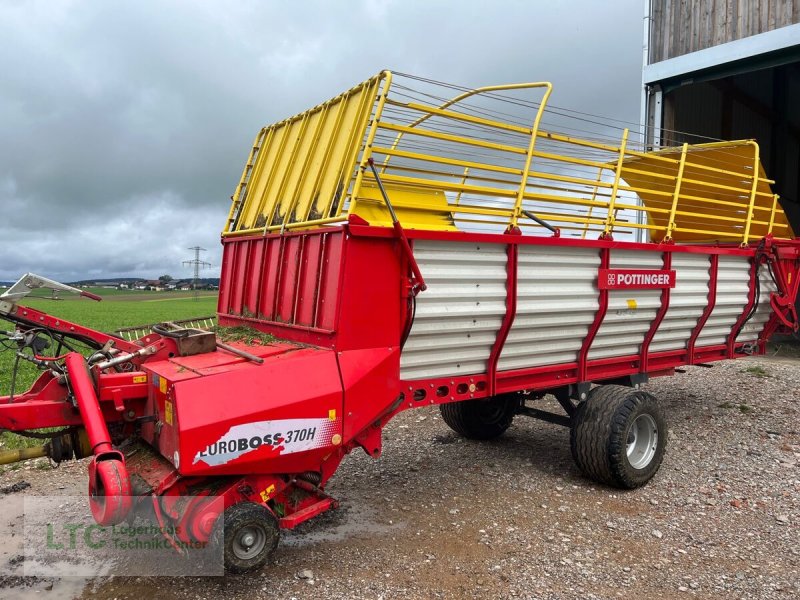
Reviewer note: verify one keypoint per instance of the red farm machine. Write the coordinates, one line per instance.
(408, 244)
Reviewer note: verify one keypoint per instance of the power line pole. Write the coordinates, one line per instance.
(197, 264)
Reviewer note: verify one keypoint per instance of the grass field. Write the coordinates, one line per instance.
(119, 308)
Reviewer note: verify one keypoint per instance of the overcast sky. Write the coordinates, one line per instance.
(124, 126)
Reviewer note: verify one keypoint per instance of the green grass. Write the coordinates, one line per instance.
(247, 335)
(119, 308)
(757, 371)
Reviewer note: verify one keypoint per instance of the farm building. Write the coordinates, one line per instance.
(727, 69)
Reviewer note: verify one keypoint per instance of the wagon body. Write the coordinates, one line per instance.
(501, 312)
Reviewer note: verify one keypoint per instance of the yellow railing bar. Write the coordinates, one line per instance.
(275, 211)
(536, 175)
(293, 202)
(464, 181)
(730, 188)
(560, 158)
(772, 213)
(676, 194)
(652, 155)
(350, 155)
(504, 193)
(443, 160)
(386, 76)
(531, 147)
(593, 198)
(254, 176)
(236, 199)
(280, 226)
(326, 158)
(609, 228)
(273, 169)
(469, 93)
(448, 137)
(432, 110)
(756, 166)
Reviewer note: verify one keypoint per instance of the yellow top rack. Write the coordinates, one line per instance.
(479, 159)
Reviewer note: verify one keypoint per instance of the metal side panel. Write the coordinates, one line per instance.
(733, 286)
(457, 318)
(630, 312)
(755, 325)
(556, 303)
(687, 300)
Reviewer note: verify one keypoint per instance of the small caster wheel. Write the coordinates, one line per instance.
(247, 534)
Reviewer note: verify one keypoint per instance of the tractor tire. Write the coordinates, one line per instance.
(483, 419)
(618, 436)
(246, 534)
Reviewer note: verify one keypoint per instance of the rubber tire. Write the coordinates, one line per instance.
(483, 419)
(227, 525)
(599, 433)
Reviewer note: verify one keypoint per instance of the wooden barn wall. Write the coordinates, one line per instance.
(683, 26)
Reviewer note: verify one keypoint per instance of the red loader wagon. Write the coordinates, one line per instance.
(405, 244)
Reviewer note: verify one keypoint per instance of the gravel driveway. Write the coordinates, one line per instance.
(441, 517)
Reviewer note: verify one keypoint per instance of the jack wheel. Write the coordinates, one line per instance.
(483, 419)
(247, 534)
(618, 436)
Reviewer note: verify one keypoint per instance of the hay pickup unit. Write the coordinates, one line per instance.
(409, 244)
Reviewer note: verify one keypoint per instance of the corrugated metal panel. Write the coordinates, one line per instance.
(733, 283)
(457, 318)
(556, 303)
(687, 301)
(630, 312)
(755, 325)
(290, 280)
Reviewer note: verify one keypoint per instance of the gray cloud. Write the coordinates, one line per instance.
(125, 126)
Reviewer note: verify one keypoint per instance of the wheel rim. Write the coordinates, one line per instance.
(642, 441)
(249, 542)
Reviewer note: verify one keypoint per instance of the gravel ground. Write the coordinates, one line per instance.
(441, 517)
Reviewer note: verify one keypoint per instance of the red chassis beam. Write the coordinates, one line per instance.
(46, 404)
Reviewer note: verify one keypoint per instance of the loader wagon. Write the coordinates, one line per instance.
(410, 243)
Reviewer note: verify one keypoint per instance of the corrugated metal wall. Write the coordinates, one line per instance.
(630, 312)
(733, 282)
(283, 279)
(556, 303)
(683, 26)
(457, 318)
(755, 325)
(687, 301)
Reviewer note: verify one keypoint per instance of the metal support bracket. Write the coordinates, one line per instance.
(418, 285)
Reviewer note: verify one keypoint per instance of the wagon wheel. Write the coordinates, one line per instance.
(618, 436)
(483, 419)
(246, 534)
